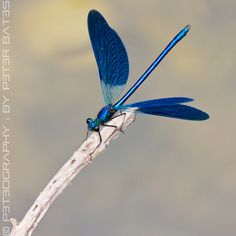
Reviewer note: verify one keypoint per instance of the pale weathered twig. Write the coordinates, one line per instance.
(67, 173)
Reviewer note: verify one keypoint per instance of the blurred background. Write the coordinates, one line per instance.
(163, 176)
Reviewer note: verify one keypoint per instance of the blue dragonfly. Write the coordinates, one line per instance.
(113, 66)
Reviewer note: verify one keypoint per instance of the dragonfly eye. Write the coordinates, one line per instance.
(89, 120)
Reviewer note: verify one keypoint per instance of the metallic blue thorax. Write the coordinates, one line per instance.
(103, 116)
(106, 113)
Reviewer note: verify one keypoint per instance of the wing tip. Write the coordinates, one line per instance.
(94, 14)
(203, 116)
(93, 11)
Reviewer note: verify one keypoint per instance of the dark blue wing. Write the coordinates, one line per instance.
(111, 56)
(160, 101)
(168, 107)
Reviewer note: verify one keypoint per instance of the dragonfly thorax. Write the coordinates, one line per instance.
(103, 116)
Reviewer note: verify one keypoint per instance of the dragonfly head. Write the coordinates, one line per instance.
(92, 126)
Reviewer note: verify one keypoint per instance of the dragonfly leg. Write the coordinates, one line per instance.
(114, 126)
(111, 126)
(121, 114)
(87, 134)
(90, 157)
(100, 140)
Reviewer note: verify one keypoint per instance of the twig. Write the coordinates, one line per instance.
(80, 159)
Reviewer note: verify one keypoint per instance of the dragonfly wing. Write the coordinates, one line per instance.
(110, 54)
(160, 101)
(168, 107)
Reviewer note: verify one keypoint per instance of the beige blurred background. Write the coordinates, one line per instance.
(163, 177)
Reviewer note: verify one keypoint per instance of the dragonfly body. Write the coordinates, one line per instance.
(113, 66)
